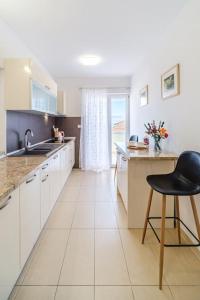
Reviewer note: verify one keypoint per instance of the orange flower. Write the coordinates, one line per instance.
(163, 132)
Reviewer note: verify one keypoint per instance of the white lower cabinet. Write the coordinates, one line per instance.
(122, 177)
(63, 162)
(9, 243)
(55, 178)
(29, 215)
(72, 153)
(45, 196)
(25, 211)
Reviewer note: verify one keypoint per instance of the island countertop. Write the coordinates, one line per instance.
(147, 154)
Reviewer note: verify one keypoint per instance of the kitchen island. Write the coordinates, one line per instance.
(133, 166)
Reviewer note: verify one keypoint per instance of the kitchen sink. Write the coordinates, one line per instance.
(32, 152)
(41, 149)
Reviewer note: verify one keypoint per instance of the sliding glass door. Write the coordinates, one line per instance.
(118, 122)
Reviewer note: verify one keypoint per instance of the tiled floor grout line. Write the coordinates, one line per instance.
(123, 252)
(173, 298)
(93, 228)
(99, 285)
(118, 229)
(30, 258)
(65, 252)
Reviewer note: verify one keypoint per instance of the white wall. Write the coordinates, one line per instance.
(181, 44)
(72, 86)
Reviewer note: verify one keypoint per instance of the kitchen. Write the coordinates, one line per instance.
(78, 167)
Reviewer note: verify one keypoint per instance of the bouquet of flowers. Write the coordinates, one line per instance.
(157, 132)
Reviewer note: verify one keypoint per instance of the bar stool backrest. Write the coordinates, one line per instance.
(188, 165)
(133, 138)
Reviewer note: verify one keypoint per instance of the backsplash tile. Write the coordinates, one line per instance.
(70, 127)
(18, 122)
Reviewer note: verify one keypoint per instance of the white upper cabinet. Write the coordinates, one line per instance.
(29, 87)
(41, 76)
(61, 103)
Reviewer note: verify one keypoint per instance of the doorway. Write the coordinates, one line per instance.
(118, 122)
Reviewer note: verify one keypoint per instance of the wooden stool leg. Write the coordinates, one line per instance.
(178, 215)
(147, 215)
(162, 241)
(195, 215)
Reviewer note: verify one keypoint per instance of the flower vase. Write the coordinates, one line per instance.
(157, 146)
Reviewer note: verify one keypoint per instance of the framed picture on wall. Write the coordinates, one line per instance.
(143, 94)
(170, 82)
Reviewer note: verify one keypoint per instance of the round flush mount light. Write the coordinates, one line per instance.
(90, 60)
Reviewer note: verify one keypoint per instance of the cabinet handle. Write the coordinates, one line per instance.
(45, 166)
(6, 202)
(44, 179)
(47, 87)
(124, 158)
(31, 179)
(55, 156)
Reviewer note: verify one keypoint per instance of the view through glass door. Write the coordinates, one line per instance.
(119, 122)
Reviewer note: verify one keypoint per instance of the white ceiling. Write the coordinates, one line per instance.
(120, 31)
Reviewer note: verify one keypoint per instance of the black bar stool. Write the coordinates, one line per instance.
(134, 138)
(184, 181)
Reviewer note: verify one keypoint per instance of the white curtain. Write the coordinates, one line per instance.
(94, 149)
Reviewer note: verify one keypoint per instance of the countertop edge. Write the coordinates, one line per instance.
(126, 152)
(34, 168)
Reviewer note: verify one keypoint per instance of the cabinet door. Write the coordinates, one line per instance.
(40, 98)
(119, 172)
(52, 104)
(17, 85)
(63, 171)
(40, 75)
(55, 177)
(29, 215)
(9, 244)
(45, 192)
(61, 103)
(72, 153)
(122, 177)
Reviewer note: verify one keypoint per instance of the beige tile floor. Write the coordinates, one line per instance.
(86, 252)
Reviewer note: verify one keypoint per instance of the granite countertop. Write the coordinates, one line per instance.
(15, 170)
(144, 154)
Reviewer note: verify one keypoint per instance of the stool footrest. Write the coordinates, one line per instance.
(174, 245)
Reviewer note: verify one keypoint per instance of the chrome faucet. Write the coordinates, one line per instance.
(27, 143)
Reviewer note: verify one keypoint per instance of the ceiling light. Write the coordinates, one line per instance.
(89, 60)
